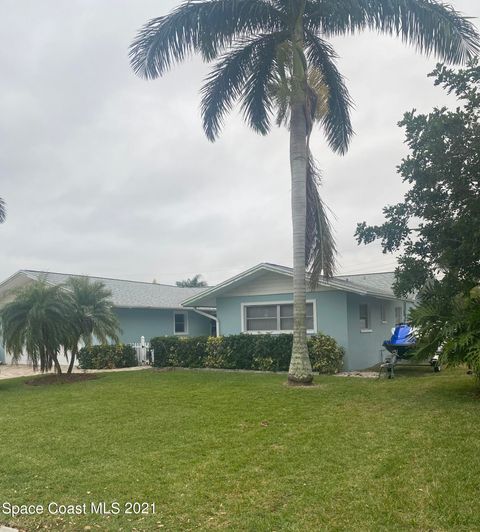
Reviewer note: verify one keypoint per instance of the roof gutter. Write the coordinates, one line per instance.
(217, 321)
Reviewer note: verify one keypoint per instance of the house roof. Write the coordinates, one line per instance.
(371, 281)
(376, 285)
(126, 294)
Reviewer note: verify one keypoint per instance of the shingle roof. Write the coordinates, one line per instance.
(378, 283)
(371, 281)
(130, 294)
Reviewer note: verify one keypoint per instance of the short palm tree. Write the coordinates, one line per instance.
(3, 211)
(195, 282)
(35, 323)
(258, 44)
(91, 316)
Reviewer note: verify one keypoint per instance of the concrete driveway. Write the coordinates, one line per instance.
(24, 370)
(18, 370)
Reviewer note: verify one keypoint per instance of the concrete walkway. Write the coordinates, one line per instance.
(24, 370)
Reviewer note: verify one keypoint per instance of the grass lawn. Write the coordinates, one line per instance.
(243, 452)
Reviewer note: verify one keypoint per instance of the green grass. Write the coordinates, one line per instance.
(237, 451)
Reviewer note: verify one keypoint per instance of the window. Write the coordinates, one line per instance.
(398, 315)
(274, 317)
(383, 313)
(180, 323)
(363, 314)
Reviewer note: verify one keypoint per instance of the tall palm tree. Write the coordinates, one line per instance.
(35, 322)
(256, 42)
(92, 315)
(3, 211)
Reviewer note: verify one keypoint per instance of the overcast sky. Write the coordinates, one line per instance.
(107, 174)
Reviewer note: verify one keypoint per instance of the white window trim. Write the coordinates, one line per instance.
(186, 322)
(369, 318)
(243, 307)
(384, 307)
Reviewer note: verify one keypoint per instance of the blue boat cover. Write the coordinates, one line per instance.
(402, 335)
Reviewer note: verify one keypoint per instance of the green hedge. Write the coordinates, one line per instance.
(264, 352)
(107, 357)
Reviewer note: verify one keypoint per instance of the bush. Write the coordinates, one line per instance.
(265, 352)
(107, 357)
(218, 354)
(326, 355)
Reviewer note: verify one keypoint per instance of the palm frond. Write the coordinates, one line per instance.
(36, 322)
(336, 119)
(228, 79)
(257, 99)
(431, 26)
(93, 311)
(204, 26)
(320, 247)
(3, 211)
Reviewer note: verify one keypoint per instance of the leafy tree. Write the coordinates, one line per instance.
(3, 211)
(436, 226)
(36, 322)
(91, 315)
(265, 48)
(194, 282)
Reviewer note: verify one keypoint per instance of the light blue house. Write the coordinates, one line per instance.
(143, 309)
(358, 311)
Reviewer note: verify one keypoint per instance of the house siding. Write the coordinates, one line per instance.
(365, 348)
(337, 316)
(136, 323)
(331, 309)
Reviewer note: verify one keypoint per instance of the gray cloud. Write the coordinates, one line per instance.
(107, 174)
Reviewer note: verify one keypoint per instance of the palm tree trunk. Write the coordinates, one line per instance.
(58, 368)
(300, 371)
(72, 360)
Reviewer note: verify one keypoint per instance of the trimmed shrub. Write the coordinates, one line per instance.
(265, 352)
(107, 357)
(218, 354)
(326, 355)
(272, 352)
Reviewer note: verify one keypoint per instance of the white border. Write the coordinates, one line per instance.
(185, 313)
(262, 303)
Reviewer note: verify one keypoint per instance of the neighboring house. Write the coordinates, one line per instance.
(143, 309)
(357, 310)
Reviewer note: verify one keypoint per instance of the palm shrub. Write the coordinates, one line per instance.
(449, 326)
(36, 322)
(267, 53)
(91, 315)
